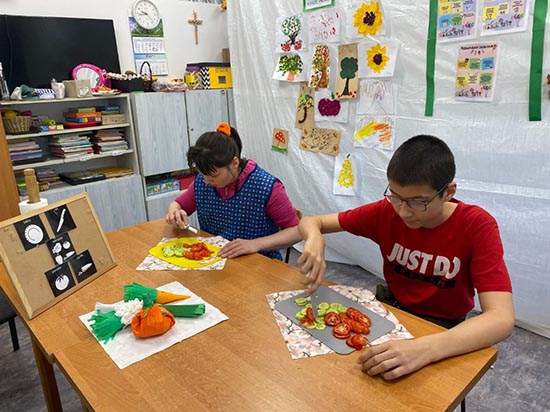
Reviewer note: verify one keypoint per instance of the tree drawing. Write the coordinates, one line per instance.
(320, 65)
(290, 64)
(291, 27)
(349, 68)
(305, 102)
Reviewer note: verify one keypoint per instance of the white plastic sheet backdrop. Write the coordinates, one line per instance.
(503, 160)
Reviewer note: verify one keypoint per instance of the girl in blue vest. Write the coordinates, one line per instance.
(235, 198)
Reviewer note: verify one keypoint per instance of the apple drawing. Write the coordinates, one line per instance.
(328, 107)
(62, 282)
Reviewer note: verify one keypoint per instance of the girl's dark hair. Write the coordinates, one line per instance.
(215, 150)
(422, 159)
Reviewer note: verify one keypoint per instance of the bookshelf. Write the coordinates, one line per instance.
(119, 202)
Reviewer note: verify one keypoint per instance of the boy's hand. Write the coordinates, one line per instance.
(312, 262)
(393, 359)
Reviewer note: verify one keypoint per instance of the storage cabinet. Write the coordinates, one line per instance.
(109, 196)
(161, 131)
(208, 108)
(166, 125)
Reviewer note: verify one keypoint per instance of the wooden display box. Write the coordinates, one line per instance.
(54, 251)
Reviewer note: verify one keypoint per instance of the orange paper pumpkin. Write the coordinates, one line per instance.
(152, 322)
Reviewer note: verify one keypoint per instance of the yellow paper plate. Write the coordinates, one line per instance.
(183, 261)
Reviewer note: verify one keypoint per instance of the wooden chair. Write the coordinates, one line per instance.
(287, 255)
(8, 315)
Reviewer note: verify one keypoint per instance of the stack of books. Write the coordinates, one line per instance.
(110, 109)
(70, 145)
(48, 176)
(81, 117)
(109, 140)
(25, 152)
(112, 172)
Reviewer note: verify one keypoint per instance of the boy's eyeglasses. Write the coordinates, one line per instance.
(418, 205)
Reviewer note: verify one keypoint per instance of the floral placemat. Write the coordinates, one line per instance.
(153, 263)
(301, 344)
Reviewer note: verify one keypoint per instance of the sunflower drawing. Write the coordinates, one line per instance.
(368, 18)
(377, 58)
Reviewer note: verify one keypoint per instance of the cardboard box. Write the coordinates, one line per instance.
(78, 88)
(114, 118)
(162, 186)
(214, 75)
(52, 128)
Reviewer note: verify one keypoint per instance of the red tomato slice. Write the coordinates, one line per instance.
(332, 319)
(364, 319)
(344, 318)
(205, 253)
(341, 331)
(359, 316)
(307, 322)
(192, 255)
(357, 342)
(309, 315)
(358, 327)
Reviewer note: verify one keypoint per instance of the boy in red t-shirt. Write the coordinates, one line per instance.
(437, 251)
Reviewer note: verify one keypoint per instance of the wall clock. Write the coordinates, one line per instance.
(146, 14)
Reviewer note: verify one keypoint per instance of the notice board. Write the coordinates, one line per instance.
(54, 251)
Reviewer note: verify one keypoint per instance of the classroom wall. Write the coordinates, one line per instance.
(179, 35)
(502, 158)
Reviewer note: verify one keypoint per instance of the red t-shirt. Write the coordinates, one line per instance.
(434, 272)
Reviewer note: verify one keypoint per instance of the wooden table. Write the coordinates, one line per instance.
(240, 364)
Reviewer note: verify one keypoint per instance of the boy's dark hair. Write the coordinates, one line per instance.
(215, 150)
(422, 159)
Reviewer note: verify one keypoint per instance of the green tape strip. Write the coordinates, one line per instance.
(537, 51)
(430, 58)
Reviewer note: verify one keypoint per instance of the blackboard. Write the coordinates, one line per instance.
(33, 50)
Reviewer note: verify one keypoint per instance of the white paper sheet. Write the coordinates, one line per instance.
(126, 349)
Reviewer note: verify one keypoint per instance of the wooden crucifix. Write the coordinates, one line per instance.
(195, 22)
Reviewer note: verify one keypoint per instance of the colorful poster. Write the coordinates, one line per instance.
(320, 67)
(279, 141)
(377, 97)
(324, 26)
(290, 68)
(345, 175)
(290, 34)
(305, 112)
(364, 20)
(329, 109)
(377, 58)
(347, 81)
(456, 19)
(476, 72)
(503, 16)
(374, 131)
(321, 140)
(317, 4)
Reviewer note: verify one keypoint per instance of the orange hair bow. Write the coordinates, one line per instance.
(224, 128)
